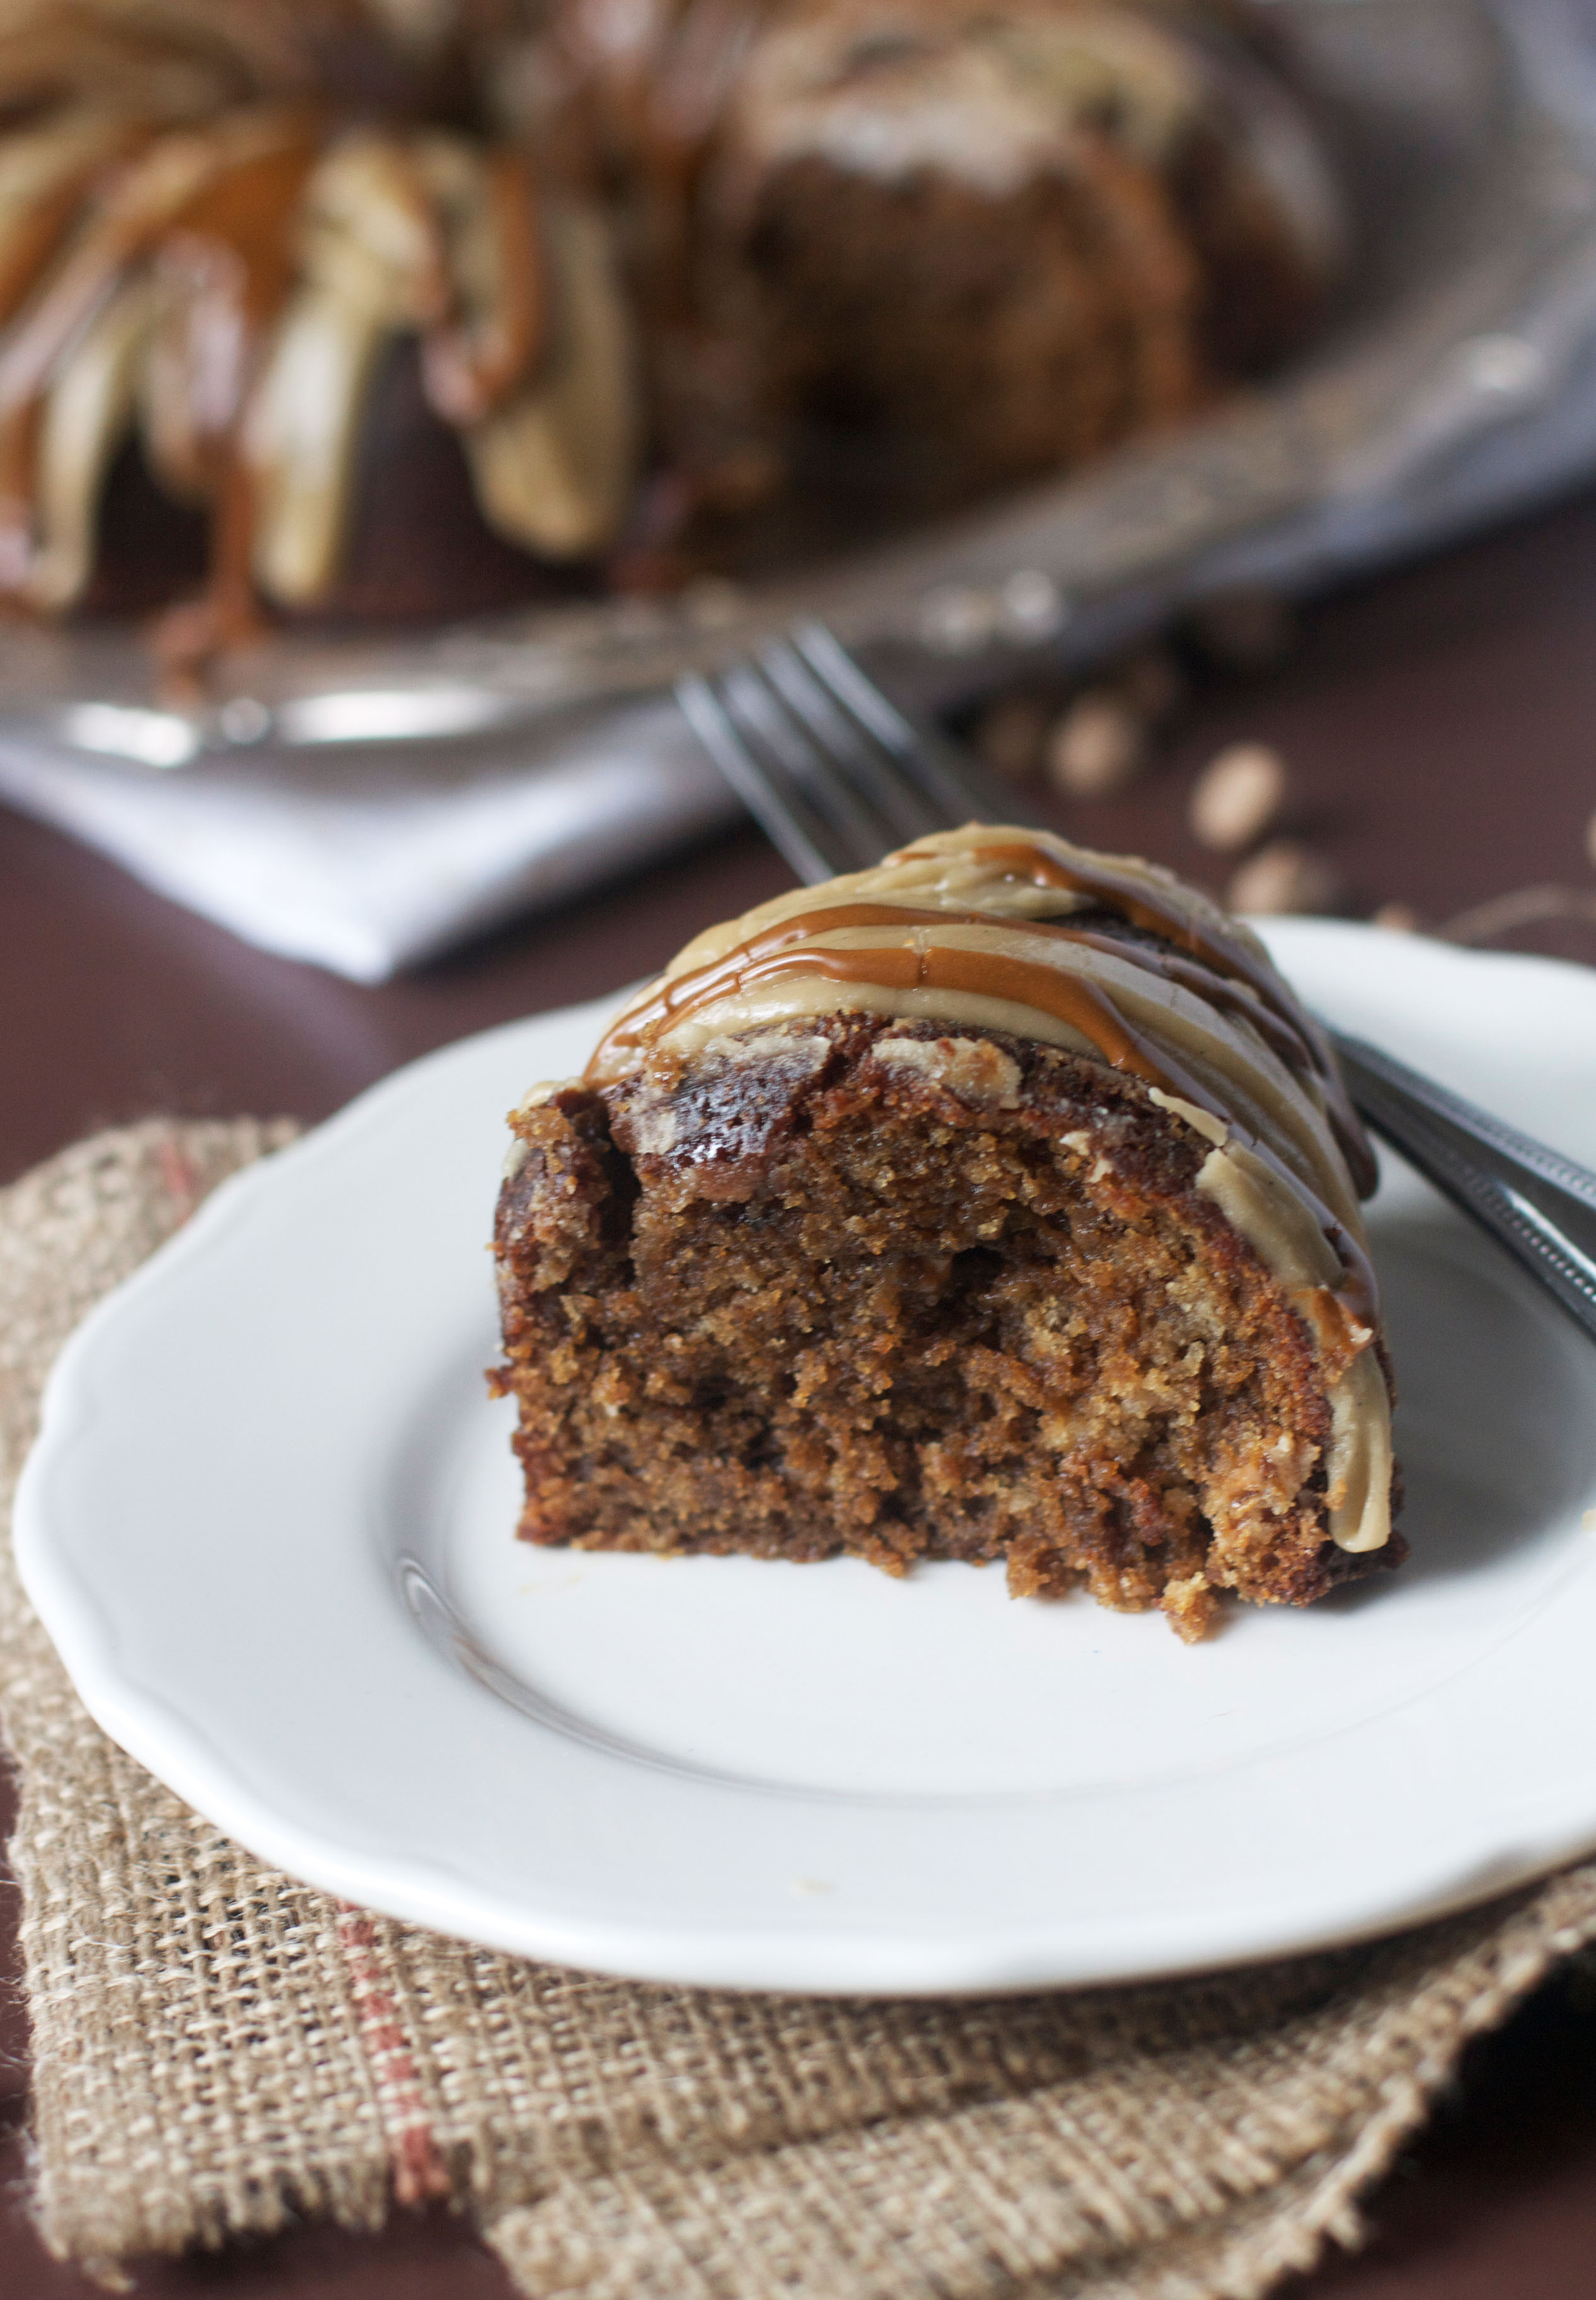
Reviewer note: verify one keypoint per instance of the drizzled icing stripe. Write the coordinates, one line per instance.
(791, 949)
(956, 929)
(227, 214)
(1142, 902)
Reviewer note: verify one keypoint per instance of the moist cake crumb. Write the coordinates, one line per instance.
(858, 1283)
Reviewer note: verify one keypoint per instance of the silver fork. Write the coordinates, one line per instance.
(837, 776)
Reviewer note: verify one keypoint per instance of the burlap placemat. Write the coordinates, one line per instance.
(219, 2048)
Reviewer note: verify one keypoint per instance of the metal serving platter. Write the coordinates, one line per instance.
(1456, 381)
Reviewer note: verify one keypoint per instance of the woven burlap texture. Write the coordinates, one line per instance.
(219, 2048)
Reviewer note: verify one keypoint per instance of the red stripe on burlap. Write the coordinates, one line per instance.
(417, 2166)
(179, 1177)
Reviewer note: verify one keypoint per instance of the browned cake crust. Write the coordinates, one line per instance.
(800, 1300)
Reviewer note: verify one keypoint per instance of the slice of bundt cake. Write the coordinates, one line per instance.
(998, 1202)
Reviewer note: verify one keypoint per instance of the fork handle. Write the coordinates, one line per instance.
(1541, 1205)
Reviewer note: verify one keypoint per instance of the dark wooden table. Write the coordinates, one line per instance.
(1441, 726)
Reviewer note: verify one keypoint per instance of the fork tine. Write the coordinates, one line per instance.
(761, 712)
(904, 811)
(833, 772)
(807, 842)
(950, 783)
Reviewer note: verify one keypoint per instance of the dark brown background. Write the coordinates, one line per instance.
(1440, 727)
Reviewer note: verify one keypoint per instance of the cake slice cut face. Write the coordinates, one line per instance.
(997, 1203)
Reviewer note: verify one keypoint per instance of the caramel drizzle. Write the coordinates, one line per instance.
(786, 949)
(766, 957)
(38, 239)
(235, 243)
(20, 429)
(654, 109)
(468, 373)
(221, 211)
(41, 236)
(157, 198)
(1140, 905)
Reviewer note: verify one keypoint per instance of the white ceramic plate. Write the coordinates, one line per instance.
(269, 1524)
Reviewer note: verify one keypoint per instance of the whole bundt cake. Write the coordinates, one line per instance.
(374, 307)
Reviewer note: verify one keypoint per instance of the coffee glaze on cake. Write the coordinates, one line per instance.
(1000, 1202)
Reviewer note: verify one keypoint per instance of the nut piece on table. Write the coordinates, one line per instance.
(1011, 735)
(1237, 797)
(1283, 878)
(1097, 748)
(1396, 918)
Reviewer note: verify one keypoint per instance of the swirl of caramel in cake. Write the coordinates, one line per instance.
(1112, 958)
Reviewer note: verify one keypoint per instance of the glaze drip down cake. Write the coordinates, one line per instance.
(997, 1203)
(277, 290)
